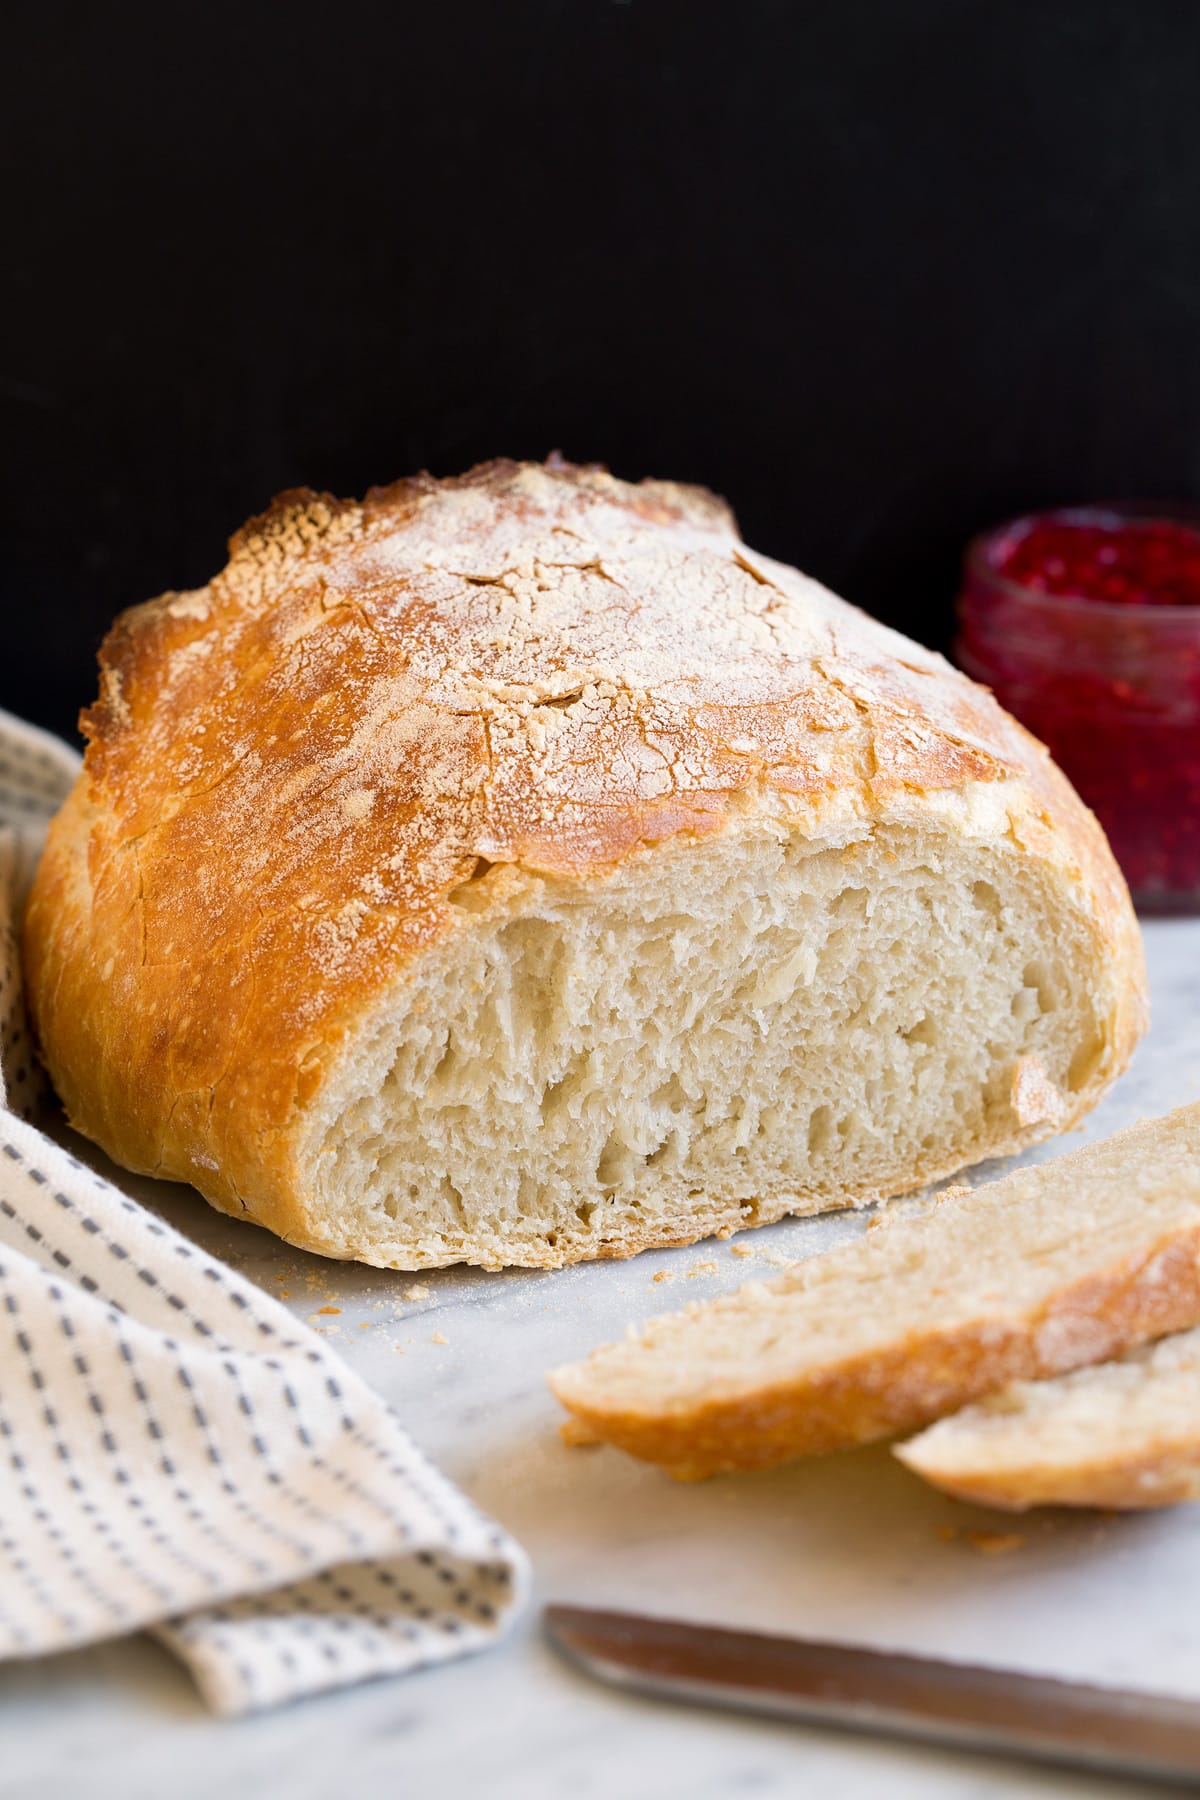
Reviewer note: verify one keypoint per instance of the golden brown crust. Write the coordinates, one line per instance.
(1166, 1474)
(290, 770)
(913, 1381)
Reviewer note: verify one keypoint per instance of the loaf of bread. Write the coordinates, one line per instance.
(1047, 1270)
(1124, 1434)
(517, 868)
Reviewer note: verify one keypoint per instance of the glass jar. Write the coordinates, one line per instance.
(1109, 676)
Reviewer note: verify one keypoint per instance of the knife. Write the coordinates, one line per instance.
(1108, 1729)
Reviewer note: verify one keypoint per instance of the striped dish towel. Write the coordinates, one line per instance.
(175, 1451)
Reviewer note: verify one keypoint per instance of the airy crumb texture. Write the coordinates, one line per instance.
(1125, 1434)
(711, 1037)
(1047, 1270)
(517, 869)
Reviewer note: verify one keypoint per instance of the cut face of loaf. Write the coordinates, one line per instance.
(517, 868)
(1048, 1270)
(1125, 1434)
(713, 1037)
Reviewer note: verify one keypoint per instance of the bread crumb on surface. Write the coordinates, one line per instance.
(701, 1268)
(438, 1338)
(740, 1250)
(417, 1291)
(663, 1275)
(328, 1309)
(994, 1543)
(779, 1259)
(984, 1543)
(578, 1436)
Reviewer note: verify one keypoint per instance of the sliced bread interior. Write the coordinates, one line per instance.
(1046, 1270)
(1123, 1434)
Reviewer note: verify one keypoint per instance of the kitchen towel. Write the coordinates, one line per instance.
(176, 1452)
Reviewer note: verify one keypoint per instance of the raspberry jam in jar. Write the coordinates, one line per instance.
(1085, 623)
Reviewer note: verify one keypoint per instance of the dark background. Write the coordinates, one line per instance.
(882, 271)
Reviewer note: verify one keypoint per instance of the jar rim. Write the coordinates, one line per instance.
(977, 555)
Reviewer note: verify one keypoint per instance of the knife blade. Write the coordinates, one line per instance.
(1154, 1736)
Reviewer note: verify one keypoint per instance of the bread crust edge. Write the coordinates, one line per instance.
(914, 1381)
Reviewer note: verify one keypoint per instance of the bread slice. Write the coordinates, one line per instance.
(517, 868)
(1046, 1270)
(1122, 1434)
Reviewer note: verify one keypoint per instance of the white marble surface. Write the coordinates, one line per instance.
(847, 1547)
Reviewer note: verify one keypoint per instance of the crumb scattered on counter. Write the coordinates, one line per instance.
(778, 1259)
(578, 1436)
(663, 1275)
(438, 1338)
(417, 1291)
(701, 1268)
(740, 1250)
(984, 1543)
(328, 1309)
(994, 1543)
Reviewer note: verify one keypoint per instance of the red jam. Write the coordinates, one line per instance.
(1086, 625)
(1155, 562)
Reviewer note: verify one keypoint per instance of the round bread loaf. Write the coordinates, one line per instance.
(516, 869)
